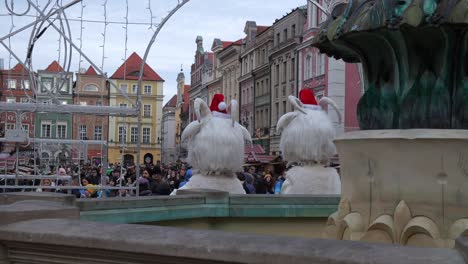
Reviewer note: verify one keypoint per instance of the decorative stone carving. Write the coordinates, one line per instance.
(409, 193)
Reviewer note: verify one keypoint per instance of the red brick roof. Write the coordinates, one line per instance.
(236, 43)
(261, 29)
(54, 67)
(91, 71)
(131, 69)
(254, 148)
(18, 68)
(172, 102)
(226, 44)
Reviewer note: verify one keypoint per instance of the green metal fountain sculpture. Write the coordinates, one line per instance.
(404, 176)
(415, 60)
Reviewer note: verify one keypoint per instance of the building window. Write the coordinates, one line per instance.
(45, 129)
(63, 85)
(320, 64)
(10, 126)
(293, 69)
(308, 67)
(277, 111)
(147, 89)
(25, 84)
(25, 128)
(61, 130)
(24, 100)
(98, 133)
(147, 110)
(123, 105)
(11, 84)
(285, 34)
(146, 135)
(122, 134)
(319, 94)
(47, 84)
(278, 38)
(293, 30)
(124, 88)
(91, 88)
(83, 103)
(134, 88)
(134, 134)
(285, 70)
(11, 100)
(277, 74)
(82, 132)
(284, 107)
(98, 103)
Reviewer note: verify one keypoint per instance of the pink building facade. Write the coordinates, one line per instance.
(325, 76)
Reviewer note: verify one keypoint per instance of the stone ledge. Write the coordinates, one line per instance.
(205, 203)
(461, 244)
(26, 210)
(290, 199)
(446, 134)
(197, 246)
(12, 197)
(138, 202)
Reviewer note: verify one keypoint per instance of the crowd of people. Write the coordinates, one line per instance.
(88, 181)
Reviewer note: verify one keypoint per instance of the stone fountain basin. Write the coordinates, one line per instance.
(403, 183)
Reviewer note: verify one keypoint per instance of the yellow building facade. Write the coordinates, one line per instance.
(123, 131)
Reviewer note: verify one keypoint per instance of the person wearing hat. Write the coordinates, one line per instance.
(307, 139)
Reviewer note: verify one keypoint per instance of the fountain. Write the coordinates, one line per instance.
(405, 174)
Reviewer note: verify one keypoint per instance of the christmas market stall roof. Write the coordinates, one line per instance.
(254, 154)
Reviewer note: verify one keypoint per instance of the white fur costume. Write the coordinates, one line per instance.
(215, 149)
(307, 138)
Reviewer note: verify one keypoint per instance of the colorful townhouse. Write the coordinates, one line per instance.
(123, 131)
(90, 90)
(54, 87)
(15, 88)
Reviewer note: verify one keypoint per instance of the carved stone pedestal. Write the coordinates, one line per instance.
(406, 187)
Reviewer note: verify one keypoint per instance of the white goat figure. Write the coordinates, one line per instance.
(215, 149)
(307, 139)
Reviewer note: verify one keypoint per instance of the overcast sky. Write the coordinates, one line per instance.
(174, 46)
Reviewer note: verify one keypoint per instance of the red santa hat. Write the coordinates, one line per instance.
(218, 104)
(307, 97)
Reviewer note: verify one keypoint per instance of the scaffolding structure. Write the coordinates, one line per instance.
(52, 15)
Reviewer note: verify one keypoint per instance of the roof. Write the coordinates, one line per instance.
(172, 102)
(54, 67)
(254, 158)
(91, 71)
(130, 70)
(226, 43)
(236, 43)
(18, 68)
(255, 148)
(299, 8)
(261, 29)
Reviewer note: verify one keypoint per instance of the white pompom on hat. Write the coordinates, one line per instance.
(218, 104)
